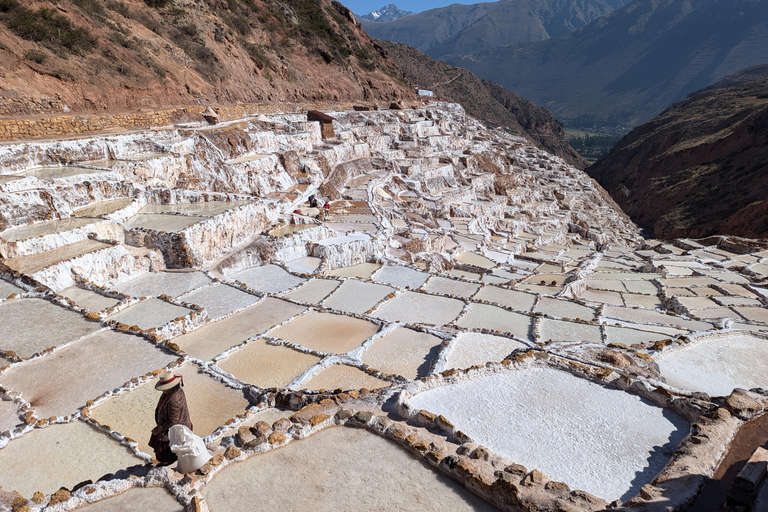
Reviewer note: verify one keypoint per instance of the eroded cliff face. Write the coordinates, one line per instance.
(699, 168)
(131, 54)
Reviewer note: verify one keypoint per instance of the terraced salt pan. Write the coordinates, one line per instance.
(603, 441)
(305, 265)
(653, 317)
(60, 455)
(463, 274)
(267, 279)
(540, 289)
(215, 338)
(357, 296)
(326, 332)
(47, 227)
(401, 277)
(443, 286)
(642, 301)
(203, 209)
(472, 258)
(559, 330)
(313, 291)
(162, 222)
(403, 352)
(341, 376)
(150, 313)
(57, 172)
(754, 314)
(483, 316)
(219, 299)
(149, 499)
(420, 308)
(337, 469)
(168, 283)
(9, 416)
(26, 326)
(631, 336)
(267, 366)
(47, 382)
(102, 208)
(718, 364)
(563, 309)
(7, 289)
(716, 313)
(603, 297)
(31, 263)
(474, 348)
(87, 299)
(210, 402)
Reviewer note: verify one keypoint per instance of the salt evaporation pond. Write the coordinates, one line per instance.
(718, 364)
(150, 499)
(603, 441)
(337, 469)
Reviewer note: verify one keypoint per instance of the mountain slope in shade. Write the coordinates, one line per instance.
(460, 29)
(699, 168)
(132, 54)
(387, 13)
(484, 100)
(629, 65)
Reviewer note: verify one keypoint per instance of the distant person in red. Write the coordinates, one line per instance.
(171, 410)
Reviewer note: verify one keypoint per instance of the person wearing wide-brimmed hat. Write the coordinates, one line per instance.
(171, 410)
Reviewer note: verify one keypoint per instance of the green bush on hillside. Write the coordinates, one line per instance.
(47, 27)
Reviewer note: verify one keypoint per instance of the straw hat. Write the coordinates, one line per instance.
(168, 380)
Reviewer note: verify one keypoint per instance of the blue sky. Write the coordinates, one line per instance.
(366, 6)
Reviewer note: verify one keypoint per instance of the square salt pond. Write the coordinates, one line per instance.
(47, 382)
(401, 277)
(444, 286)
(403, 352)
(563, 309)
(519, 301)
(473, 348)
(326, 332)
(267, 279)
(604, 441)
(146, 499)
(153, 284)
(7, 289)
(88, 299)
(220, 299)
(357, 296)
(483, 316)
(420, 308)
(150, 314)
(313, 291)
(560, 330)
(267, 366)
(341, 376)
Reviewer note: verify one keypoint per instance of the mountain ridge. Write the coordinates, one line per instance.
(389, 12)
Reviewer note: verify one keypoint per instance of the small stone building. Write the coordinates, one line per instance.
(326, 123)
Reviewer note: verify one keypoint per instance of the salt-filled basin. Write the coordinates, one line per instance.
(149, 499)
(57, 456)
(444, 286)
(168, 283)
(214, 338)
(519, 301)
(102, 208)
(630, 336)
(210, 402)
(337, 469)
(202, 209)
(219, 299)
(357, 296)
(403, 352)
(47, 227)
(7, 289)
(560, 330)
(420, 308)
(305, 265)
(474, 348)
(326, 332)
(162, 222)
(601, 440)
(313, 291)
(267, 366)
(9, 416)
(267, 279)
(47, 382)
(31, 263)
(472, 258)
(483, 316)
(150, 313)
(716, 365)
(341, 376)
(401, 277)
(563, 309)
(362, 270)
(25, 326)
(63, 171)
(88, 299)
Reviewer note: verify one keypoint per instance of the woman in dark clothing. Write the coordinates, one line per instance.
(171, 410)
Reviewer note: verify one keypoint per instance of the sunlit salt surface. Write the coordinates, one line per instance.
(630, 336)
(337, 469)
(267, 279)
(87, 299)
(560, 330)
(267, 366)
(363, 270)
(9, 416)
(102, 208)
(518, 301)
(563, 309)
(47, 382)
(420, 308)
(443, 286)
(357, 296)
(60, 171)
(60, 455)
(210, 402)
(403, 352)
(326, 332)
(7, 289)
(168, 283)
(718, 364)
(341, 376)
(32, 263)
(203, 209)
(150, 313)
(219, 299)
(46, 227)
(162, 222)
(483, 316)
(600, 440)
(149, 499)
(313, 291)
(473, 348)
(25, 326)
(753, 314)
(305, 265)
(401, 277)
(214, 338)
(653, 317)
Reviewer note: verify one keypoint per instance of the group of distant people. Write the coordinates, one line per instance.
(313, 203)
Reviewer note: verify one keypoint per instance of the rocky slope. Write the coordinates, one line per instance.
(483, 99)
(89, 55)
(629, 65)
(698, 169)
(459, 29)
